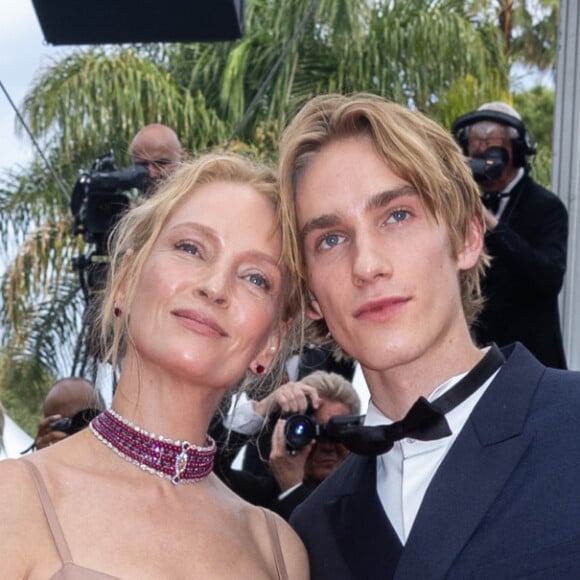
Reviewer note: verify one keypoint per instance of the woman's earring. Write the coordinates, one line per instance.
(260, 369)
(117, 311)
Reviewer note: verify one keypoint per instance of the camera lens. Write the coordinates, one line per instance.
(299, 431)
(61, 425)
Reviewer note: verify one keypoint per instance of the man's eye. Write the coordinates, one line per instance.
(399, 215)
(259, 280)
(330, 241)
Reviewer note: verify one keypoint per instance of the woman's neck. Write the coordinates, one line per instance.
(178, 410)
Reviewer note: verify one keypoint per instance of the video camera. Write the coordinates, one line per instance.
(301, 429)
(490, 165)
(99, 199)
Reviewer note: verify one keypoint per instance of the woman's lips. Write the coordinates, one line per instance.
(200, 323)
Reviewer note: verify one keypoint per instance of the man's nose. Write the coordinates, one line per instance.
(153, 169)
(369, 262)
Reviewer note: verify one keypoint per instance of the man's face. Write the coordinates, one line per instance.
(326, 455)
(381, 270)
(481, 137)
(158, 160)
(158, 150)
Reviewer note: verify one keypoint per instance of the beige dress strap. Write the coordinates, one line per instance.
(51, 517)
(276, 546)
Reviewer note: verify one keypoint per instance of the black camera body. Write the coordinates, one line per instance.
(99, 199)
(522, 146)
(76, 423)
(301, 429)
(490, 165)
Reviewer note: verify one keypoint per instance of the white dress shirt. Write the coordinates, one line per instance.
(504, 200)
(405, 472)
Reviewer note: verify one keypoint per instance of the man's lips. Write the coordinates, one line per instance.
(380, 309)
(199, 322)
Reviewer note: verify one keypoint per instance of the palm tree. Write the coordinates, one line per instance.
(235, 94)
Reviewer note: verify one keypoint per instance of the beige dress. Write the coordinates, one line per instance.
(70, 571)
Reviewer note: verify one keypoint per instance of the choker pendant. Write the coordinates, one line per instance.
(178, 461)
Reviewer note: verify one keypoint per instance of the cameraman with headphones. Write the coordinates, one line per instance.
(527, 235)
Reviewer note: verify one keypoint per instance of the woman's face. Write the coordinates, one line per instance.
(208, 300)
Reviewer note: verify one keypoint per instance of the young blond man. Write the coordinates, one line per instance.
(388, 229)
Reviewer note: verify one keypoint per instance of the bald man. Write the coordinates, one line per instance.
(157, 148)
(67, 399)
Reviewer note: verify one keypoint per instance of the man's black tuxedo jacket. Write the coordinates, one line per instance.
(504, 504)
(528, 249)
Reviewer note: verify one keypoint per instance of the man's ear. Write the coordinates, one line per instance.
(313, 310)
(472, 246)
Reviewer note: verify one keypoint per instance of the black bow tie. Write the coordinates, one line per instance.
(425, 421)
(492, 199)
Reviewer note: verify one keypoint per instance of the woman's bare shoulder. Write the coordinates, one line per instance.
(21, 516)
(15, 481)
(256, 521)
(19, 499)
(293, 550)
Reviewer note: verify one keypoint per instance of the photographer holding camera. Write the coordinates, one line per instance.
(68, 407)
(299, 460)
(103, 194)
(527, 235)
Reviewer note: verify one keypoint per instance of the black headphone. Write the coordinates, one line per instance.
(522, 145)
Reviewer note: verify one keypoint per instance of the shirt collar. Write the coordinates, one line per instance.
(514, 181)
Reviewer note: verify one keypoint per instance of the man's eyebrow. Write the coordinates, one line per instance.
(322, 222)
(383, 198)
(377, 201)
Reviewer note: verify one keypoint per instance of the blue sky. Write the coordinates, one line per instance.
(24, 52)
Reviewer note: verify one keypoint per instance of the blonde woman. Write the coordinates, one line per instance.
(198, 296)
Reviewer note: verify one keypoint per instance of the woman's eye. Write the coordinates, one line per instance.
(330, 241)
(259, 280)
(188, 247)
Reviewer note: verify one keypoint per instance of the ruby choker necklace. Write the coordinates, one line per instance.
(178, 461)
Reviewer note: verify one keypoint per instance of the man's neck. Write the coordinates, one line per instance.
(395, 390)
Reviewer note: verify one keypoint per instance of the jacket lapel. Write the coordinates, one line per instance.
(365, 537)
(474, 471)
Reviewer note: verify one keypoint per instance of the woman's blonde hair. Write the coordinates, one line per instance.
(414, 147)
(136, 233)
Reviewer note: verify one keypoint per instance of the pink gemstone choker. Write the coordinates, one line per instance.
(178, 461)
